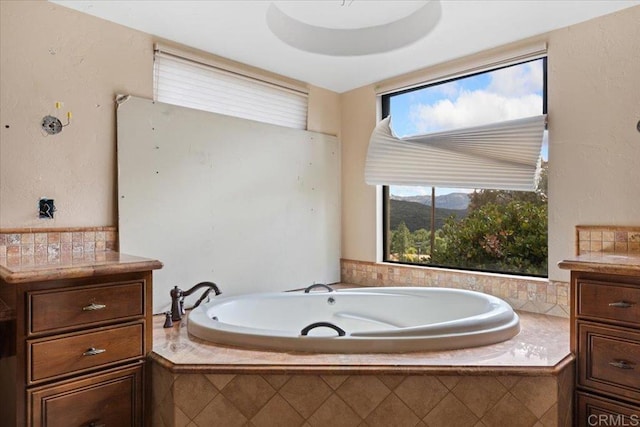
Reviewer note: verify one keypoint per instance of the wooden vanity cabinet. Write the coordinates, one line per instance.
(79, 351)
(605, 336)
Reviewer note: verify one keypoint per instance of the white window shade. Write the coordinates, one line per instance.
(190, 84)
(500, 156)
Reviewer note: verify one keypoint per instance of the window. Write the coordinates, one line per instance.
(194, 84)
(469, 228)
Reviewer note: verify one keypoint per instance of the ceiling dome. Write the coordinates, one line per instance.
(348, 14)
(351, 27)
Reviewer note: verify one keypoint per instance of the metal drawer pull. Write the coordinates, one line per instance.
(621, 304)
(622, 364)
(93, 306)
(93, 351)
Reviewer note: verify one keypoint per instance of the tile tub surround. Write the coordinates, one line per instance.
(535, 295)
(50, 241)
(526, 381)
(607, 239)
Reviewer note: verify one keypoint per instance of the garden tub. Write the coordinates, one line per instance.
(359, 320)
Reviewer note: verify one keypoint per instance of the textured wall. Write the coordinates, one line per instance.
(594, 147)
(324, 111)
(49, 53)
(359, 212)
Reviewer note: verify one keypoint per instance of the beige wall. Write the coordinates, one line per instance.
(49, 53)
(324, 111)
(594, 155)
(594, 146)
(358, 199)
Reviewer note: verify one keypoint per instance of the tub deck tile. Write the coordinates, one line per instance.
(541, 348)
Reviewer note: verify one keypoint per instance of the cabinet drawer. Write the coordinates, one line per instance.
(72, 307)
(597, 411)
(613, 302)
(110, 399)
(609, 360)
(72, 353)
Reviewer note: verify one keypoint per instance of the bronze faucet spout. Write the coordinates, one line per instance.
(177, 298)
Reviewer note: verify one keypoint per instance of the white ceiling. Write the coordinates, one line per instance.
(238, 30)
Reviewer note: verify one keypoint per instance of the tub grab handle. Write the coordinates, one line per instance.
(339, 330)
(318, 285)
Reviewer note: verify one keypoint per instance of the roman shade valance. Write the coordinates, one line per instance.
(500, 156)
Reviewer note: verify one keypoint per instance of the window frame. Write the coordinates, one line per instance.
(385, 109)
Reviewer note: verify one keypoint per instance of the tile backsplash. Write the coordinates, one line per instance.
(602, 238)
(536, 295)
(46, 242)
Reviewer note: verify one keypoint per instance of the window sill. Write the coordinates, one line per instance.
(469, 272)
(532, 294)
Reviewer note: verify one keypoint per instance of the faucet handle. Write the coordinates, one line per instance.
(176, 292)
(177, 303)
(168, 323)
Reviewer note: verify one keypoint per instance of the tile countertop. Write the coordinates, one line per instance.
(604, 262)
(541, 348)
(69, 265)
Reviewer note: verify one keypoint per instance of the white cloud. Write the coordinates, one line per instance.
(510, 94)
(449, 89)
(516, 81)
(473, 108)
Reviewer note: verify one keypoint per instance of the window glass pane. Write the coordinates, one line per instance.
(505, 94)
(488, 230)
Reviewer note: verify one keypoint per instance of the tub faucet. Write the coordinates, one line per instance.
(177, 298)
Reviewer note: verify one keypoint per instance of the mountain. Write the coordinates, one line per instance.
(456, 201)
(418, 215)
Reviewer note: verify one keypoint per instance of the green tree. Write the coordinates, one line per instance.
(509, 237)
(401, 241)
(504, 231)
(422, 240)
(480, 198)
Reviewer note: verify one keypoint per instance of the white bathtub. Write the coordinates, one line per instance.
(374, 320)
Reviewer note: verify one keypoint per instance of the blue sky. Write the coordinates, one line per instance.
(505, 94)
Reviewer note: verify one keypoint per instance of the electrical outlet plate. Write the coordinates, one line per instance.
(46, 208)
